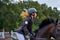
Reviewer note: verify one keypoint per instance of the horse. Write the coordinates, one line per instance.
(46, 30)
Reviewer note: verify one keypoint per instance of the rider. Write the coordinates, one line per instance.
(26, 27)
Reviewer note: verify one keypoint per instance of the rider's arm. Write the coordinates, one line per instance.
(24, 26)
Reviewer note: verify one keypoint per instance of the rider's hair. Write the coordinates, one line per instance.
(24, 14)
(46, 22)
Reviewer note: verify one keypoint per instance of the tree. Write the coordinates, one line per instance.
(10, 14)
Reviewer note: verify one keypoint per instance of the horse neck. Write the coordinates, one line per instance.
(43, 33)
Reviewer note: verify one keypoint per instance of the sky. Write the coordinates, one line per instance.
(52, 3)
(49, 3)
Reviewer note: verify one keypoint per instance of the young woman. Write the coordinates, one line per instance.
(26, 27)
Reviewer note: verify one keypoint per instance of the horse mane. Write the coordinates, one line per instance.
(46, 22)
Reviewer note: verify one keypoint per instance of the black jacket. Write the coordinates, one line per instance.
(26, 26)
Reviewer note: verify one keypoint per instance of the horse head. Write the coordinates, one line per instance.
(57, 29)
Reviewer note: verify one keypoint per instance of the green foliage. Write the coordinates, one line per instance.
(10, 17)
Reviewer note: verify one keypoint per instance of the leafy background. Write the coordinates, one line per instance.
(10, 18)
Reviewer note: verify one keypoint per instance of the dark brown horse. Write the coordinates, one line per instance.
(45, 31)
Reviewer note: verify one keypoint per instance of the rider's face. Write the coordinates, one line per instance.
(34, 14)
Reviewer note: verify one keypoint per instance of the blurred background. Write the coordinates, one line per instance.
(10, 11)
